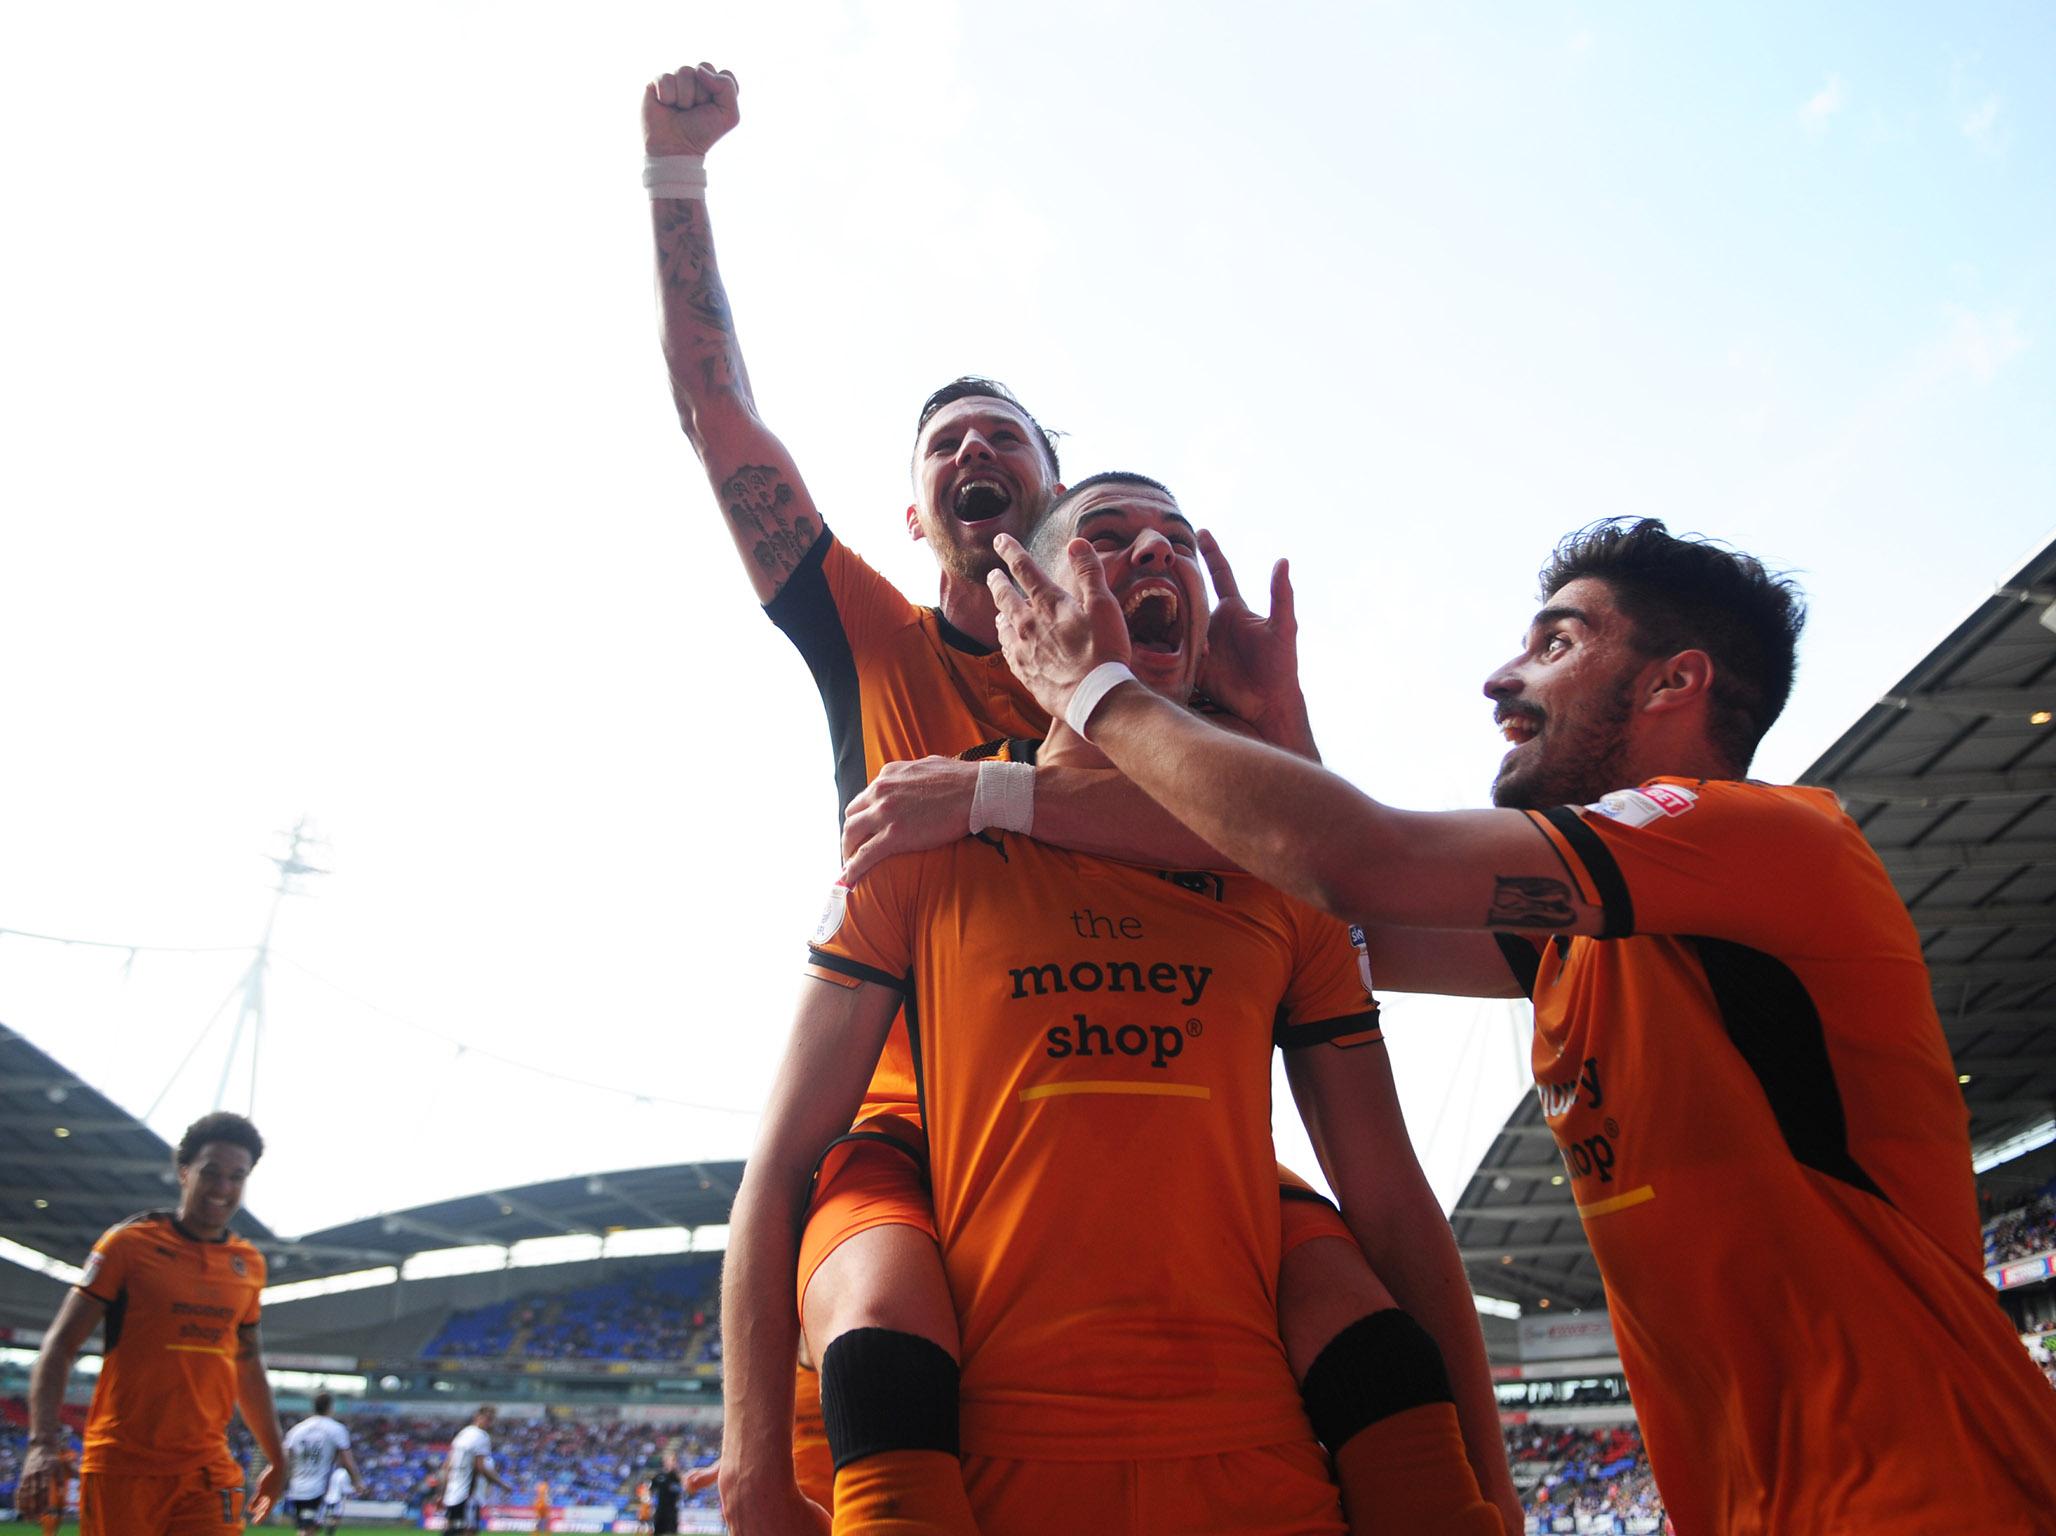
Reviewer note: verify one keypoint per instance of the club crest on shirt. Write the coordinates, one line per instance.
(831, 915)
(235, 1262)
(1639, 807)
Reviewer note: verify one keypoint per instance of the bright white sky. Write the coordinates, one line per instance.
(341, 476)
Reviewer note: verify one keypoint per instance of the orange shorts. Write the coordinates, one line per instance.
(208, 1502)
(877, 1176)
(1275, 1490)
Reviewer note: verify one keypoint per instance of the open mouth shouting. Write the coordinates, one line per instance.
(981, 498)
(1152, 609)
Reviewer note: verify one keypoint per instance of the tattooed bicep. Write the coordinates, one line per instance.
(1531, 901)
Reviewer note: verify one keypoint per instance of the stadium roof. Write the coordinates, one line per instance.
(590, 1205)
(72, 1162)
(1952, 776)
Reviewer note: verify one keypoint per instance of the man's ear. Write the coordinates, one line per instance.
(914, 523)
(1678, 682)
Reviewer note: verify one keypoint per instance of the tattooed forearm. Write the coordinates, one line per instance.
(757, 498)
(699, 330)
(248, 1347)
(1524, 901)
(685, 260)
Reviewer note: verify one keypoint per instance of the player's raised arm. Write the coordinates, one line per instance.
(769, 513)
(837, 1034)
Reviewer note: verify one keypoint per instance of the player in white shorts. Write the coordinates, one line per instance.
(317, 1452)
(471, 1459)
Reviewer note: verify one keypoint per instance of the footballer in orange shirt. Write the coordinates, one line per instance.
(177, 1292)
(900, 681)
(1089, 1034)
(1736, 1044)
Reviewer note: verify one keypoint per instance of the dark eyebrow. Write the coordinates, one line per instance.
(1564, 611)
(1124, 512)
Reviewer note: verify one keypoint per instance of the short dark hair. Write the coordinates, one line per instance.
(485, 1410)
(221, 1126)
(324, 1401)
(972, 386)
(1687, 592)
(1044, 543)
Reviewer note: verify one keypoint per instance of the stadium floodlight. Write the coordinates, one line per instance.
(2030, 1140)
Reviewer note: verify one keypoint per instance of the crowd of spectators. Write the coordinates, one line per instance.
(2025, 1230)
(585, 1461)
(661, 1314)
(1585, 1472)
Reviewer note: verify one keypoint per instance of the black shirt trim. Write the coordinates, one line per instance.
(957, 640)
(1607, 879)
(1771, 1018)
(805, 610)
(1298, 1037)
(842, 967)
(1522, 958)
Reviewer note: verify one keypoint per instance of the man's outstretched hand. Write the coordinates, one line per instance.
(1054, 637)
(1252, 660)
(685, 112)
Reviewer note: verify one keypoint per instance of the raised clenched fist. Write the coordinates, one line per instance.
(685, 112)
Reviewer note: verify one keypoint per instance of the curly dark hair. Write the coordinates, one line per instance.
(1692, 593)
(221, 1126)
(976, 387)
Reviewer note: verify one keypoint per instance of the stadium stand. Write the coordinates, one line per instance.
(1597, 1475)
(665, 1314)
(2028, 1229)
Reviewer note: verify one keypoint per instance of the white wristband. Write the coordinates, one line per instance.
(1099, 682)
(676, 176)
(1004, 798)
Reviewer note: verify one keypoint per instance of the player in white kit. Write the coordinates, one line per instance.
(471, 1461)
(317, 1452)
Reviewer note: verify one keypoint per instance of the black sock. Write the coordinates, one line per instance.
(1379, 1365)
(883, 1390)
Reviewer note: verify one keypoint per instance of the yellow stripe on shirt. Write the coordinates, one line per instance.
(1160, 1090)
(1619, 1202)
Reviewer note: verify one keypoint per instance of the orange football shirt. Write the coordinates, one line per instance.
(898, 681)
(168, 1381)
(1765, 1139)
(1093, 1044)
